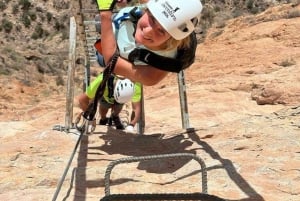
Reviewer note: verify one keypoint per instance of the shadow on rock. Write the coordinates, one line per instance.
(117, 142)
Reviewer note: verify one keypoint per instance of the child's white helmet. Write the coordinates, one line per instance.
(124, 90)
(177, 17)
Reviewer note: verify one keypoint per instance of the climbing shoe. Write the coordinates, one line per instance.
(103, 121)
(117, 122)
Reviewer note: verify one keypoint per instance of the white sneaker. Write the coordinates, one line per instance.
(129, 129)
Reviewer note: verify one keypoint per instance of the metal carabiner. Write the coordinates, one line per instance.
(86, 126)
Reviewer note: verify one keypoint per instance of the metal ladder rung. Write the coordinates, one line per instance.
(90, 22)
(89, 31)
(92, 38)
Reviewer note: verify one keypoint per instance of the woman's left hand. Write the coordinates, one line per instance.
(106, 5)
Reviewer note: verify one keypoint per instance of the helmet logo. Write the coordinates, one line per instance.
(169, 11)
(176, 9)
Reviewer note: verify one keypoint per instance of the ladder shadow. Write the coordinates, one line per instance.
(229, 168)
(142, 145)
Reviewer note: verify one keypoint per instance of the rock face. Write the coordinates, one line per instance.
(243, 96)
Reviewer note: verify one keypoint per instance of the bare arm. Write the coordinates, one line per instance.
(145, 74)
(83, 101)
(136, 112)
(108, 41)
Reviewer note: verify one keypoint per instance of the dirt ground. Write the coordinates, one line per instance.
(244, 115)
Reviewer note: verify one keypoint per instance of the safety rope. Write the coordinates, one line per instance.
(67, 168)
(88, 125)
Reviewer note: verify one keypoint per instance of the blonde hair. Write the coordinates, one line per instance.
(171, 43)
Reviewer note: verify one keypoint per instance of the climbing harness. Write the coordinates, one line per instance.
(133, 16)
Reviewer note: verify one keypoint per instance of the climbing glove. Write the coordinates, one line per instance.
(104, 5)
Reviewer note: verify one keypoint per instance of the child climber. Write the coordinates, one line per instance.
(118, 91)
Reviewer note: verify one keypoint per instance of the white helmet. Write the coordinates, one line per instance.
(123, 91)
(177, 17)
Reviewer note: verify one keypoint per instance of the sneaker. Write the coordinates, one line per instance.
(103, 121)
(117, 122)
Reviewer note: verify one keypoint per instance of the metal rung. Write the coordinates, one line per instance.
(90, 44)
(91, 38)
(88, 31)
(90, 22)
(133, 159)
(90, 47)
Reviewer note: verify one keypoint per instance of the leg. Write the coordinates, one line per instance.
(117, 108)
(103, 109)
(136, 112)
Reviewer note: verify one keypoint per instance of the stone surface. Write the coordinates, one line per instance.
(244, 108)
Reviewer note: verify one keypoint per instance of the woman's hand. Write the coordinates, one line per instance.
(108, 5)
(104, 5)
